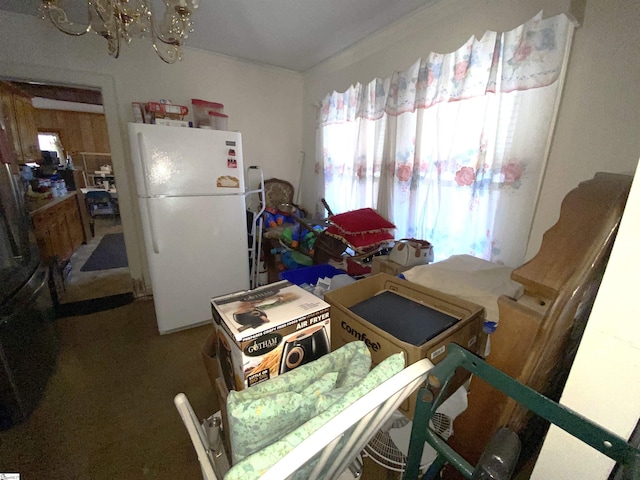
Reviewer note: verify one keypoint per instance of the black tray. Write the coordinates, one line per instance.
(405, 319)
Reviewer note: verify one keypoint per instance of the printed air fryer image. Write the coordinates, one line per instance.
(253, 314)
(270, 361)
(250, 319)
(304, 347)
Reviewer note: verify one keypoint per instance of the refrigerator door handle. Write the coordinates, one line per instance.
(152, 230)
(145, 176)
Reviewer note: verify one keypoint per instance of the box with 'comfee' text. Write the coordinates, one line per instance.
(267, 331)
(394, 315)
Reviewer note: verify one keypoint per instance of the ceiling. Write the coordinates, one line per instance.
(293, 34)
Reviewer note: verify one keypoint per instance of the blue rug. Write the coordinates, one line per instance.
(110, 253)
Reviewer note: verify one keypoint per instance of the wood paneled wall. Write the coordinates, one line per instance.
(79, 131)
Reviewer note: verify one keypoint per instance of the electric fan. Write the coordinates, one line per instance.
(390, 445)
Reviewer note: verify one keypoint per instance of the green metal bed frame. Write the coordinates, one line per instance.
(604, 441)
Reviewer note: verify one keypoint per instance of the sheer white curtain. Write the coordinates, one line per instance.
(352, 136)
(453, 149)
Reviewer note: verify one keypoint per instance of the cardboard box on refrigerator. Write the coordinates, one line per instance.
(267, 331)
(424, 320)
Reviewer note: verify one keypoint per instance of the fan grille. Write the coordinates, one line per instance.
(382, 450)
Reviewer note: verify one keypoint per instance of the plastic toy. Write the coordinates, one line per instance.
(272, 219)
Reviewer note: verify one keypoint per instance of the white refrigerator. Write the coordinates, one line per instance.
(191, 199)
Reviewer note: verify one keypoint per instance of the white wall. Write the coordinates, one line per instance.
(603, 384)
(264, 103)
(600, 111)
(599, 117)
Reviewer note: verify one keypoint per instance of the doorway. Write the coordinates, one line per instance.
(65, 112)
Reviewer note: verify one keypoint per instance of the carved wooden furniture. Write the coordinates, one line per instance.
(538, 334)
(278, 197)
(277, 192)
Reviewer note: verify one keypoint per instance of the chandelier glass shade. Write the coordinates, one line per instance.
(120, 21)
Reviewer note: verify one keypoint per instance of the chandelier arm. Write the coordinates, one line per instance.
(113, 42)
(105, 14)
(119, 20)
(155, 35)
(58, 17)
(169, 54)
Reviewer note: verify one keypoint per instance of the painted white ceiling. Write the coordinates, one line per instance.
(293, 34)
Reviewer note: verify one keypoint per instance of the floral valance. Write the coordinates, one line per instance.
(529, 56)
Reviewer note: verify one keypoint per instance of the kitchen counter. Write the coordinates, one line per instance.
(51, 203)
(112, 191)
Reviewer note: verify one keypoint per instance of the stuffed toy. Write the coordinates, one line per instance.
(273, 218)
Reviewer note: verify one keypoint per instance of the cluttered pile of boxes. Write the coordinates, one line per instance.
(206, 114)
(262, 333)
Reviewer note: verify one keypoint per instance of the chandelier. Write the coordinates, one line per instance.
(121, 20)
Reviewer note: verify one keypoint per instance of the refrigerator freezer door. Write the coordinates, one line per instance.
(197, 249)
(175, 161)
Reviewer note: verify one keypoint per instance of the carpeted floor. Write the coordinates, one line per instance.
(108, 409)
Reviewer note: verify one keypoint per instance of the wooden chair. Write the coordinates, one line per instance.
(278, 193)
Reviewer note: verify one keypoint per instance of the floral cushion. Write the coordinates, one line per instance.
(277, 192)
(255, 465)
(266, 412)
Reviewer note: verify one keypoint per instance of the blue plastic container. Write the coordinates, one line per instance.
(310, 275)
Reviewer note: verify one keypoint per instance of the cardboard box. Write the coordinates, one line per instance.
(209, 360)
(347, 326)
(171, 123)
(382, 264)
(264, 332)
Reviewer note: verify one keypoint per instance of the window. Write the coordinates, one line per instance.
(453, 149)
(50, 142)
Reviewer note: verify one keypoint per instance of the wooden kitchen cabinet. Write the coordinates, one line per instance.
(79, 131)
(27, 129)
(18, 115)
(9, 124)
(58, 228)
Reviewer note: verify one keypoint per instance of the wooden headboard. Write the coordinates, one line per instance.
(538, 333)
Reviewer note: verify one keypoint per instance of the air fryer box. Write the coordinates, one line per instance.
(425, 319)
(267, 331)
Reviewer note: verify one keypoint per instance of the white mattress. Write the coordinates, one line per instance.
(470, 278)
